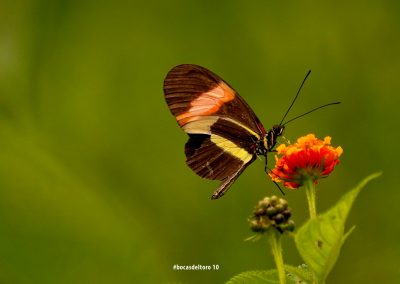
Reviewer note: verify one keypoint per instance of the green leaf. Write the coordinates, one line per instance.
(300, 274)
(295, 276)
(255, 277)
(319, 240)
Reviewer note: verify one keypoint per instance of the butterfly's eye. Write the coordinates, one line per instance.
(278, 129)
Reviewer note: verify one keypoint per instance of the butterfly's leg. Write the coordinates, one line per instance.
(267, 170)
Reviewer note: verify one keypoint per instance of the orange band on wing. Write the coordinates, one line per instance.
(207, 103)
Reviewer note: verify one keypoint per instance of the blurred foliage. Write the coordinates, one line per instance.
(93, 183)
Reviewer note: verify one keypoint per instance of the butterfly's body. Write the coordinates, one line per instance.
(225, 135)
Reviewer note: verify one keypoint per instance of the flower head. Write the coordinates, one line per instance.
(271, 212)
(308, 159)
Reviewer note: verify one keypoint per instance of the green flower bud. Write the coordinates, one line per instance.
(265, 202)
(279, 218)
(279, 207)
(259, 211)
(290, 226)
(274, 199)
(287, 213)
(283, 202)
(271, 212)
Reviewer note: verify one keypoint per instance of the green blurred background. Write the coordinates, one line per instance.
(93, 182)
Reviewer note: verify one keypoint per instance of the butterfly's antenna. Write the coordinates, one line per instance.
(295, 98)
(335, 103)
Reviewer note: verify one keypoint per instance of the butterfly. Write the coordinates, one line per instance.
(225, 135)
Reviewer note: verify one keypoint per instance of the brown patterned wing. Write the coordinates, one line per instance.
(217, 158)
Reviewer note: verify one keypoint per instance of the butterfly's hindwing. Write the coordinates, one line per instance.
(214, 157)
(217, 158)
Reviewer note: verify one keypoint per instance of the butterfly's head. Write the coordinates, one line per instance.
(278, 129)
(272, 135)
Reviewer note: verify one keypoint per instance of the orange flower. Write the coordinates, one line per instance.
(309, 158)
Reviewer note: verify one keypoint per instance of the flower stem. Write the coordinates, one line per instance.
(274, 238)
(311, 197)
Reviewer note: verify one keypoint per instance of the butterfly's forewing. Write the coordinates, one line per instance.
(191, 91)
(223, 129)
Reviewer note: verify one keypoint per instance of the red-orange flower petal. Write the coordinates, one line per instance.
(309, 158)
